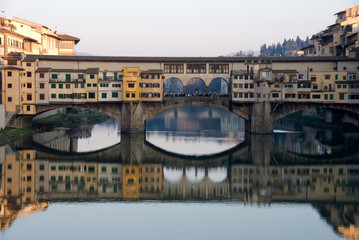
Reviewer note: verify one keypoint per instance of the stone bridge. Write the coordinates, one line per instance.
(259, 116)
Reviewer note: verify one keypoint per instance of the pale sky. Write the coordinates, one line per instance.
(178, 27)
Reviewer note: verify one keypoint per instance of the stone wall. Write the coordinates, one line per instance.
(2, 116)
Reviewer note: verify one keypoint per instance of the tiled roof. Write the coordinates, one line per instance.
(43, 70)
(153, 71)
(33, 58)
(285, 71)
(68, 38)
(69, 70)
(92, 70)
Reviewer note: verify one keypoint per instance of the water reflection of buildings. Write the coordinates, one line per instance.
(28, 184)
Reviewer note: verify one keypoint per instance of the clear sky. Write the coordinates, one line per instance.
(178, 27)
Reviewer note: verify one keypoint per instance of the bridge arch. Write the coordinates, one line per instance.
(109, 109)
(218, 174)
(173, 175)
(287, 108)
(196, 86)
(195, 174)
(218, 86)
(173, 86)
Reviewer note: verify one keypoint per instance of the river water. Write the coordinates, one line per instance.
(194, 174)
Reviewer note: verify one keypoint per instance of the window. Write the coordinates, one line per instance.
(114, 94)
(68, 77)
(9, 85)
(9, 166)
(67, 86)
(9, 73)
(114, 170)
(275, 95)
(316, 96)
(196, 68)
(42, 85)
(53, 95)
(53, 85)
(218, 68)
(42, 96)
(131, 85)
(133, 95)
(80, 76)
(42, 75)
(88, 85)
(9, 99)
(54, 76)
(28, 74)
(92, 95)
(61, 85)
(29, 85)
(29, 97)
(94, 85)
(327, 76)
(104, 95)
(28, 108)
(92, 76)
(173, 68)
(127, 95)
(325, 96)
(341, 96)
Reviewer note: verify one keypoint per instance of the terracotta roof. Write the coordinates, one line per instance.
(68, 38)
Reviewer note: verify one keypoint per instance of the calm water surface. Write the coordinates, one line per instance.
(195, 174)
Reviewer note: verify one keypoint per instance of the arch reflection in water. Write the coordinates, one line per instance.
(86, 138)
(195, 130)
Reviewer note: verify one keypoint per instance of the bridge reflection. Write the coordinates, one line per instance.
(255, 172)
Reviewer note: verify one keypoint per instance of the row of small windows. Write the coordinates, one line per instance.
(292, 96)
(117, 85)
(145, 85)
(196, 68)
(246, 77)
(298, 171)
(240, 85)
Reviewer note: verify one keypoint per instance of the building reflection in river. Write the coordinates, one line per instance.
(29, 184)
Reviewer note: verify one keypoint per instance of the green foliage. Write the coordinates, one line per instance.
(70, 120)
(8, 134)
(284, 48)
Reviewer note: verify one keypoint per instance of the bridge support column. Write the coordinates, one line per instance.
(132, 117)
(260, 121)
(22, 122)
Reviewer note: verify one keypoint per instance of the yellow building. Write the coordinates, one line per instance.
(11, 82)
(131, 84)
(131, 181)
(151, 178)
(152, 85)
